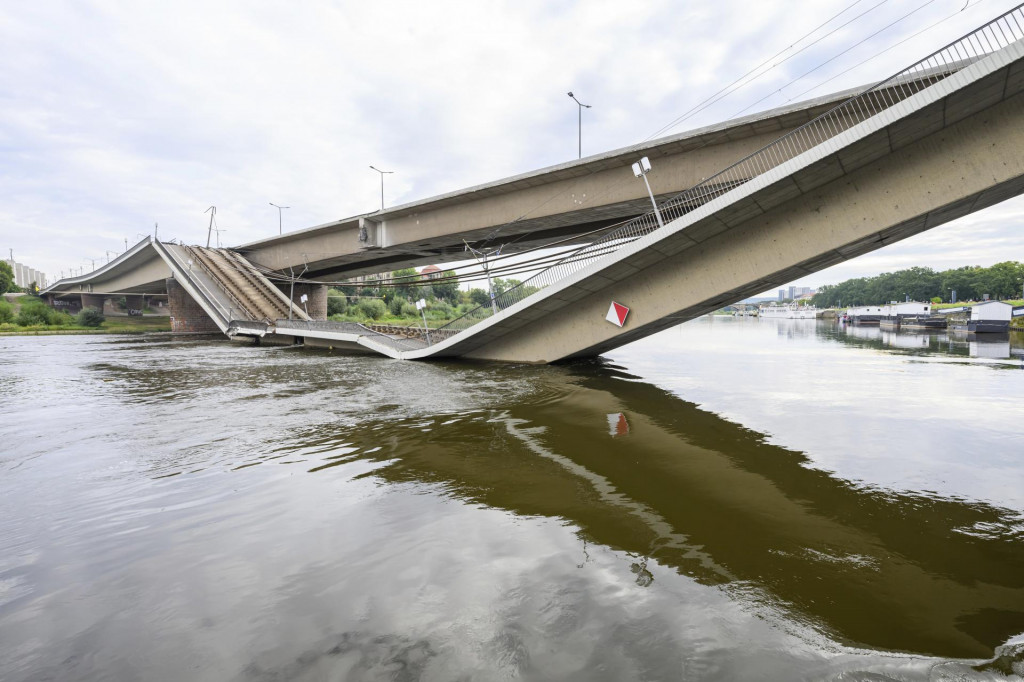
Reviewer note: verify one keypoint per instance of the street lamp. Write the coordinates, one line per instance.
(382, 174)
(640, 169)
(580, 126)
(278, 215)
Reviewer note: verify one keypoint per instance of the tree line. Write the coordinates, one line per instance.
(970, 282)
(394, 300)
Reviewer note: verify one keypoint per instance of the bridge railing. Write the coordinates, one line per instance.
(224, 312)
(992, 37)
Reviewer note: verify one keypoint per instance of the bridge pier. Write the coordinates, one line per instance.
(95, 301)
(316, 305)
(187, 316)
(135, 302)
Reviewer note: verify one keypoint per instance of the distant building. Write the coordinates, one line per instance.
(24, 275)
(782, 295)
(431, 272)
(797, 292)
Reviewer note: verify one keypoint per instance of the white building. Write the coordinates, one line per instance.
(24, 275)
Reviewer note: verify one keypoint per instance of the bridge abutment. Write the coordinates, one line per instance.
(187, 316)
(135, 302)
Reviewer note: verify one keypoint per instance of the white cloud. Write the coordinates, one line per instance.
(117, 115)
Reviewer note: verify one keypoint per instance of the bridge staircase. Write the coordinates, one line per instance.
(234, 293)
(248, 287)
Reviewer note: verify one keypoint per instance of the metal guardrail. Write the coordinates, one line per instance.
(997, 34)
(225, 313)
(196, 259)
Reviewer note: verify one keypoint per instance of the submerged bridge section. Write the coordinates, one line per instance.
(935, 142)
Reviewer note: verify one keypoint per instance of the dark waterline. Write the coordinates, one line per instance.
(726, 500)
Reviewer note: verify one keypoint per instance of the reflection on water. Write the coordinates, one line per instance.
(696, 507)
(1007, 346)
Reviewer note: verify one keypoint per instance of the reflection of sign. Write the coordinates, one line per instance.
(617, 424)
(617, 314)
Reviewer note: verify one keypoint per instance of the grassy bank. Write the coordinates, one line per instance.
(111, 325)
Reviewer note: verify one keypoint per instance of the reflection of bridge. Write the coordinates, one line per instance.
(939, 140)
(716, 502)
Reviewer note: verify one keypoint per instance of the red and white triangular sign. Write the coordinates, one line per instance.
(617, 314)
(617, 424)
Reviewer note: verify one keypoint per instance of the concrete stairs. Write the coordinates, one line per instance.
(249, 290)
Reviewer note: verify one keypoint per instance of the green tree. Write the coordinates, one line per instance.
(6, 312)
(372, 308)
(6, 278)
(405, 283)
(447, 286)
(479, 297)
(35, 312)
(337, 303)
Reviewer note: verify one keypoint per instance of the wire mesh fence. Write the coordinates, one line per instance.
(992, 37)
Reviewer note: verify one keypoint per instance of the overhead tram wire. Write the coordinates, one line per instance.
(416, 280)
(879, 54)
(726, 91)
(832, 59)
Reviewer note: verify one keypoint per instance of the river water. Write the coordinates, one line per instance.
(727, 500)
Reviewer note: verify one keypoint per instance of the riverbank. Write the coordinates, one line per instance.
(111, 325)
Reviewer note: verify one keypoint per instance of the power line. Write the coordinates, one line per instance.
(712, 99)
(879, 54)
(832, 59)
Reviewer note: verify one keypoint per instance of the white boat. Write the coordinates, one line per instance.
(790, 311)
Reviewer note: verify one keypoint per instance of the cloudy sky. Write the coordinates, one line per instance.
(118, 115)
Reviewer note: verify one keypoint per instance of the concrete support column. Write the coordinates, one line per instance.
(69, 304)
(135, 302)
(187, 316)
(316, 305)
(93, 301)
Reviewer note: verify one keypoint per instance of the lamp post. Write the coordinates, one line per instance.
(640, 169)
(279, 208)
(579, 127)
(382, 174)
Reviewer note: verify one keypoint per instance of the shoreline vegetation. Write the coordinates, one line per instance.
(970, 283)
(30, 316)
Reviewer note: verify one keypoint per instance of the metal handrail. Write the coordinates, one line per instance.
(225, 312)
(214, 277)
(993, 36)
